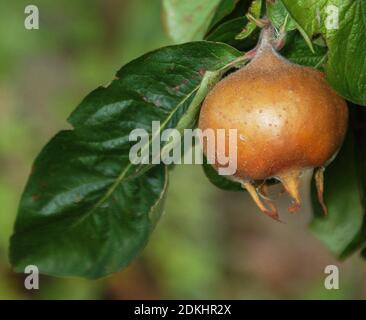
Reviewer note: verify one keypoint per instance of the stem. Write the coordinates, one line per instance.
(267, 37)
(265, 42)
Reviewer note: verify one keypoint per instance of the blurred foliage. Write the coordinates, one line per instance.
(210, 243)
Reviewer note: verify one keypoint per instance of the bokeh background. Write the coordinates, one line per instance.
(210, 244)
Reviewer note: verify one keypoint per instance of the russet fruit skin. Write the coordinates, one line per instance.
(287, 117)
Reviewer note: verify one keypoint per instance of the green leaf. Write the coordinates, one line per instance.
(359, 127)
(227, 32)
(297, 51)
(279, 16)
(346, 68)
(346, 63)
(87, 210)
(309, 14)
(75, 220)
(189, 19)
(166, 85)
(254, 11)
(341, 229)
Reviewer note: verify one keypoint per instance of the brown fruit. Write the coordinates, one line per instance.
(288, 120)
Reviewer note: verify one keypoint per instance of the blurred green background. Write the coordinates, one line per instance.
(210, 244)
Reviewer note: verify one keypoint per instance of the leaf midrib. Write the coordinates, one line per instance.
(122, 175)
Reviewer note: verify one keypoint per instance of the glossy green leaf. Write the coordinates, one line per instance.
(86, 209)
(75, 220)
(166, 85)
(343, 24)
